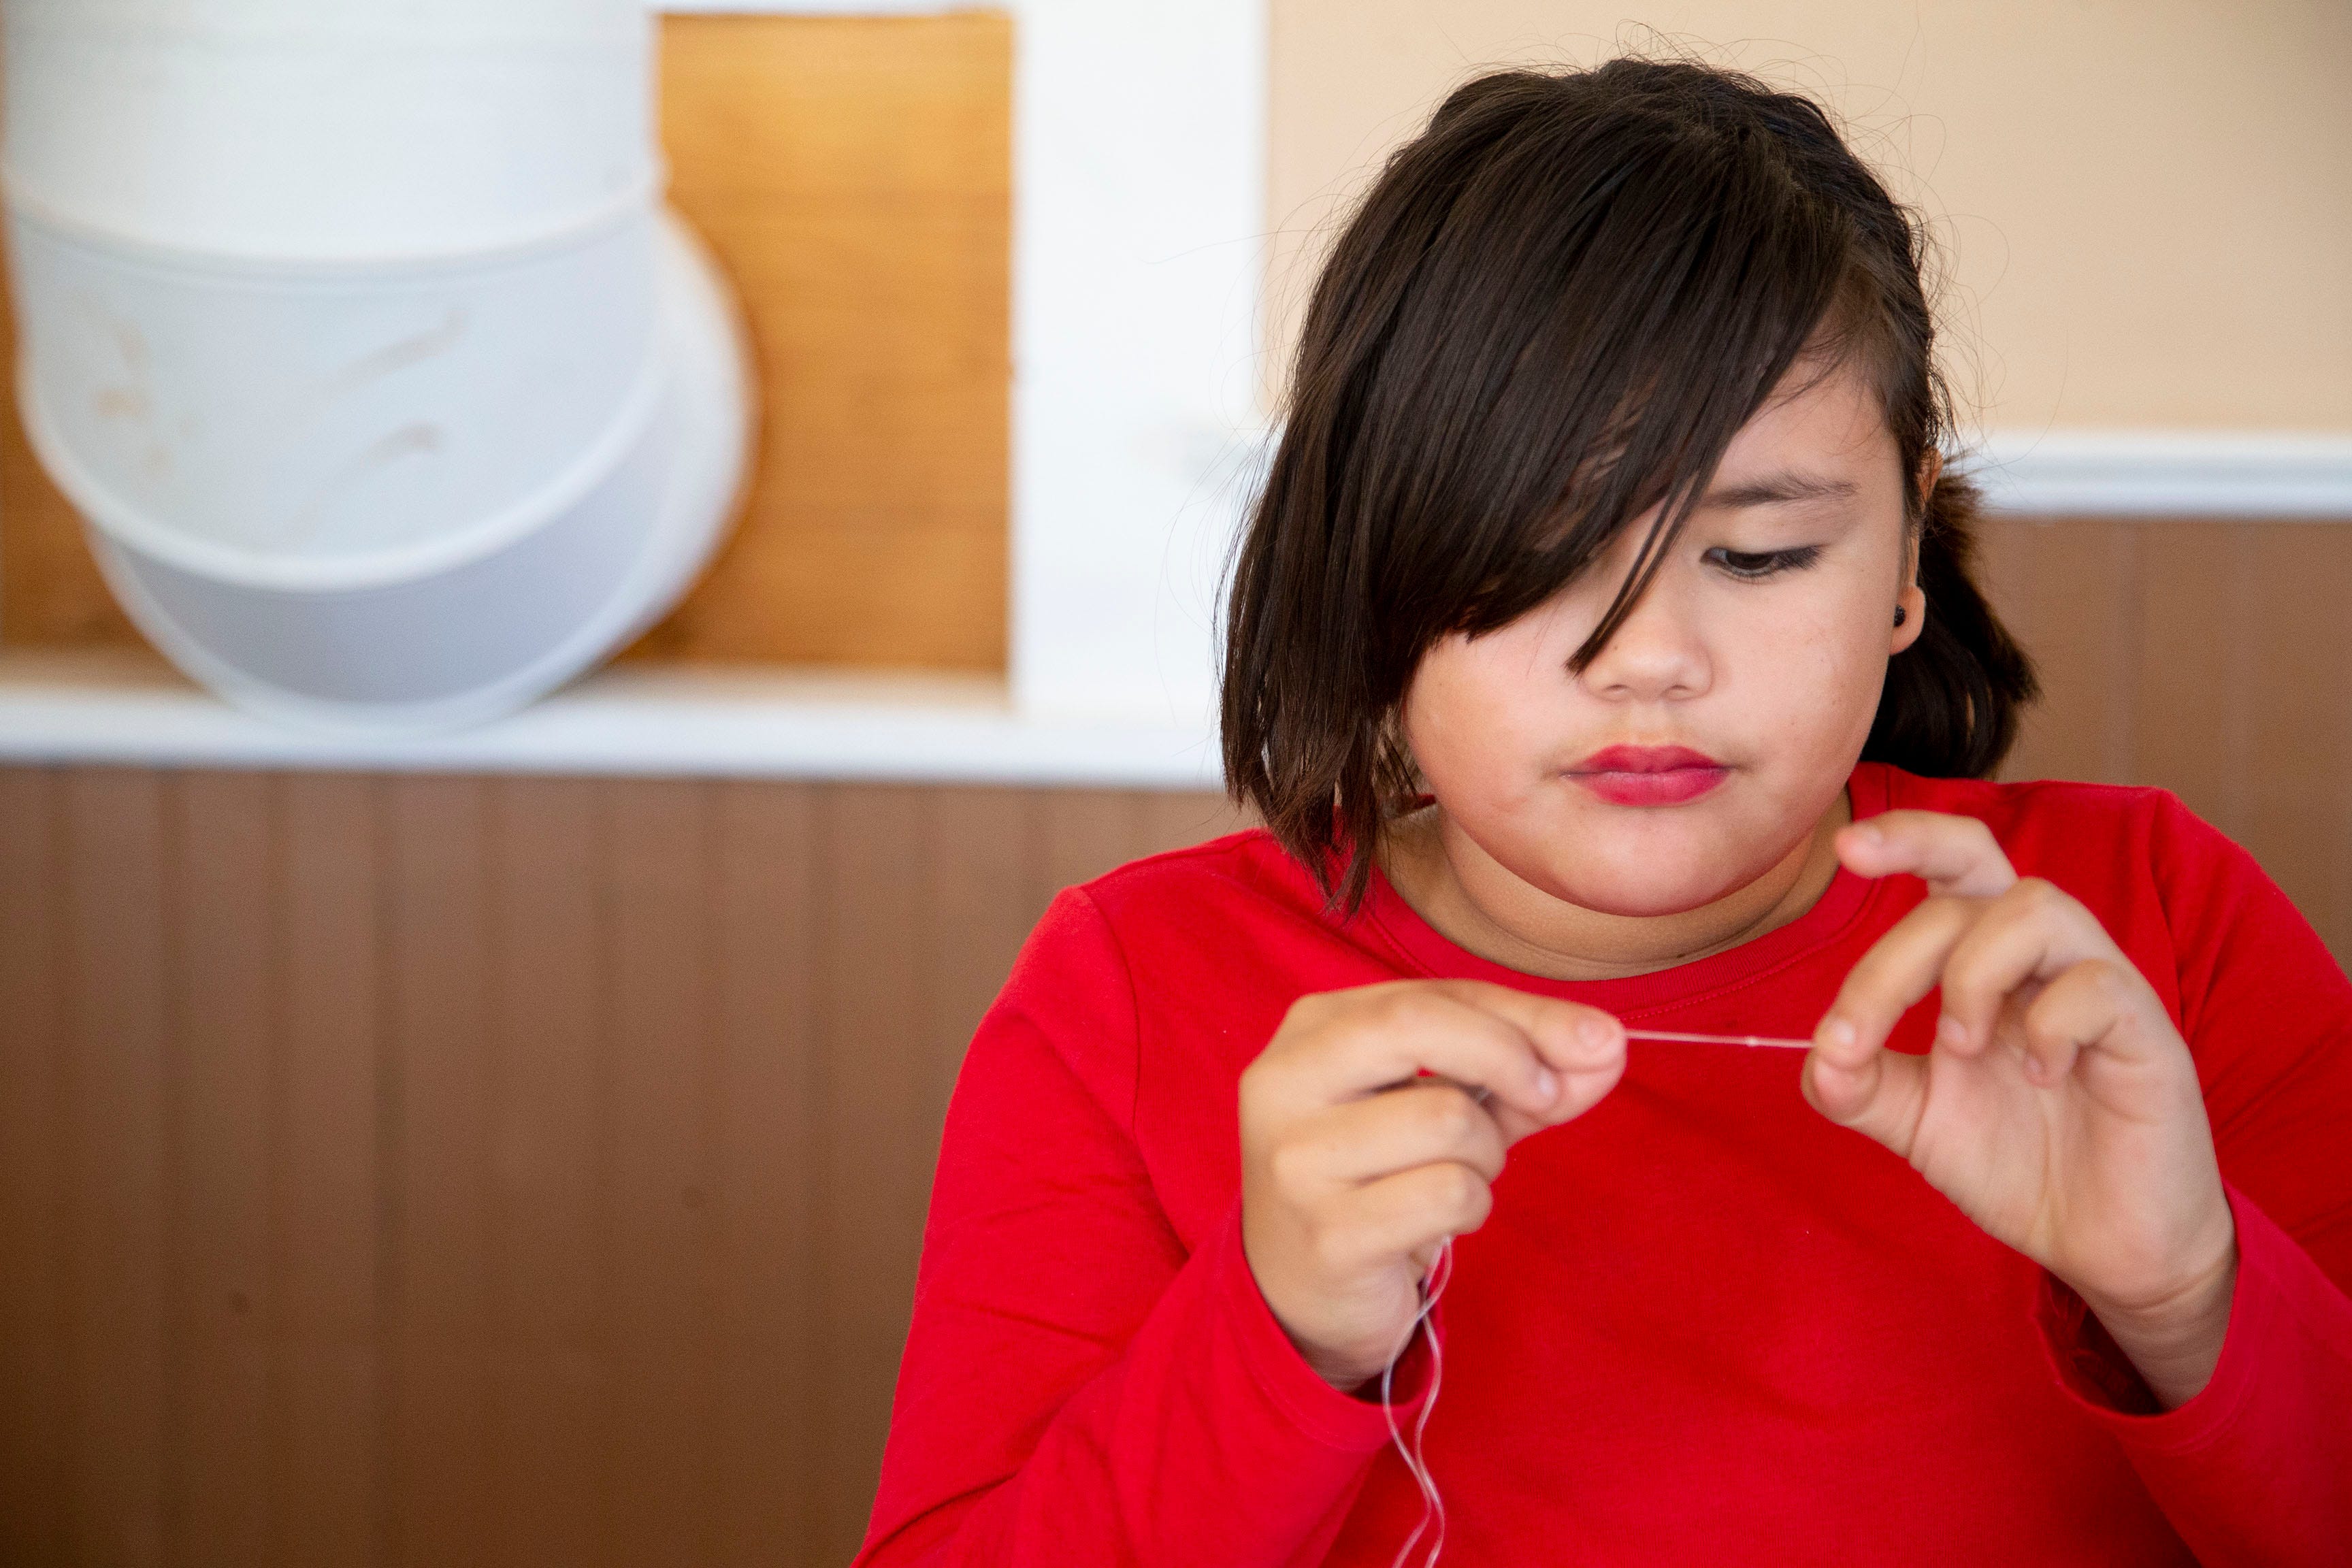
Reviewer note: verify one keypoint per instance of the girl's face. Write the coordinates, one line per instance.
(1717, 726)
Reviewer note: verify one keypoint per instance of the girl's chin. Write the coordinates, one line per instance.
(1648, 892)
(1649, 907)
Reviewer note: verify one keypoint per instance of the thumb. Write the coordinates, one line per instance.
(1868, 1087)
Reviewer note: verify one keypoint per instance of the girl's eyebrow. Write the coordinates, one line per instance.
(1774, 489)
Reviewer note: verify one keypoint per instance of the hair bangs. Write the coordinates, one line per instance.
(1673, 330)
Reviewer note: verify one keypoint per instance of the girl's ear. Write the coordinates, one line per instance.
(1911, 602)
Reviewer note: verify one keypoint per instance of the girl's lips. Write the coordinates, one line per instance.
(1648, 775)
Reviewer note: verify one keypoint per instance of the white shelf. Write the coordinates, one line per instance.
(133, 709)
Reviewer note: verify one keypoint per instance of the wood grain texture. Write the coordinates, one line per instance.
(2211, 658)
(853, 176)
(224, 826)
(118, 1139)
(433, 1238)
(328, 1152)
(420, 1170)
(37, 1295)
(547, 908)
(767, 1301)
(656, 1266)
(878, 1088)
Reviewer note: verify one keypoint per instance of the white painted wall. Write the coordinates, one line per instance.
(1139, 215)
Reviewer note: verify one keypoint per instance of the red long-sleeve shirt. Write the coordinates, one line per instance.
(1701, 1325)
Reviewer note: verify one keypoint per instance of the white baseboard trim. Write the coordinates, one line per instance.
(2166, 474)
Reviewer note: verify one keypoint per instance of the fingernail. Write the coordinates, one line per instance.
(1869, 834)
(1593, 1032)
(1546, 1083)
(1837, 1032)
(1951, 1031)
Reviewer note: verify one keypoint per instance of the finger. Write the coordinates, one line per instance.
(1956, 854)
(1900, 968)
(2089, 1005)
(2032, 933)
(1395, 1032)
(1363, 1139)
(1404, 1213)
(1573, 1038)
(1878, 1092)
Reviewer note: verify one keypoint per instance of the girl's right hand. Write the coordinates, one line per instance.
(1352, 1173)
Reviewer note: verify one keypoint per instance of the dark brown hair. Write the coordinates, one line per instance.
(1550, 314)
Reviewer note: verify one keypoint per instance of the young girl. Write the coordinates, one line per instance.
(1603, 662)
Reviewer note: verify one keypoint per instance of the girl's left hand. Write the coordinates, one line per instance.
(2058, 1107)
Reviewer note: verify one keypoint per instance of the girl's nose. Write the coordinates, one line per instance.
(1656, 654)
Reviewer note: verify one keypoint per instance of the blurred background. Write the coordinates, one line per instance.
(509, 1143)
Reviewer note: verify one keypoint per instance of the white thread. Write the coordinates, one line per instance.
(1783, 1041)
(1432, 1286)
(1432, 1506)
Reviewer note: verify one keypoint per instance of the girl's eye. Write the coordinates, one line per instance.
(1750, 566)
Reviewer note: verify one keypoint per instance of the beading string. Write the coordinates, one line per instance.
(1432, 1286)
(1782, 1041)
(1432, 1506)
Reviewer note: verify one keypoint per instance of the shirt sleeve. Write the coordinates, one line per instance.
(2257, 1468)
(1076, 1386)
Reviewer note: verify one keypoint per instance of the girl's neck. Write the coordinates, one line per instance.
(1473, 902)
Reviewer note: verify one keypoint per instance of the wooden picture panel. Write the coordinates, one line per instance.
(854, 174)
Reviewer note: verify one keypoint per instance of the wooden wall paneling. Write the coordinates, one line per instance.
(35, 1397)
(2193, 729)
(878, 1087)
(984, 901)
(2297, 693)
(1176, 819)
(118, 1079)
(765, 1057)
(330, 1499)
(439, 1468)
(1084, 833)
(658, 1094)
(2206, 657)
(2070, 591)
(223, 829)
(545, 1112)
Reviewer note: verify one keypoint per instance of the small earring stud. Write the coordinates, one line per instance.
(1899, 612)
